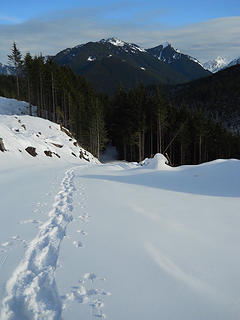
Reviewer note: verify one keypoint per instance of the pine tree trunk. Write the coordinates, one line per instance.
(139, 147)
(143, 144)
(53, 101)
(124, 151)
(29, 99)
(200, 149)
(41, 97)
(159, 134)
(151, 142)
(18, 90)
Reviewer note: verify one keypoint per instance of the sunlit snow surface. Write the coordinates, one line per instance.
(119, 240)
(215, 65)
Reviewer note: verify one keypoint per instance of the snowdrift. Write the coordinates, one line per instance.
(158, 162)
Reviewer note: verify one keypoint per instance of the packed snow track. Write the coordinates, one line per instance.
(32, 291)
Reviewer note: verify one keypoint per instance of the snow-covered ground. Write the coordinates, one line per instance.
(84, 240)
(34, 140)
(14, 107)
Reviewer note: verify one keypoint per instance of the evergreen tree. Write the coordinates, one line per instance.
(15, 59)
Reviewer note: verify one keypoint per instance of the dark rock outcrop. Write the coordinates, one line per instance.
(31, 151)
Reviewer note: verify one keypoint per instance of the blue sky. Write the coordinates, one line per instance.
(201, 29)
(173, 13)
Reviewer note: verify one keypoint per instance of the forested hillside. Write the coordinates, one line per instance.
(188, 123)
(217, 96)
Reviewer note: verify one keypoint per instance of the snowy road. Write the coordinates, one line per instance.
(121, 240)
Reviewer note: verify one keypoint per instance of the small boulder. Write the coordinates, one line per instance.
(57, 145)
(31, 151)
(48, 153)
(2, 147)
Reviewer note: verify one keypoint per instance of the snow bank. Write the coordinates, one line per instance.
(158, 162)
(33, 139)
(13, 106)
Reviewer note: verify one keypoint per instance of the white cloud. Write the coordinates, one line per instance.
(49, 35)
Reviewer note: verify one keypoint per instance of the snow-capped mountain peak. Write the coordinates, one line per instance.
(115, 41)
(216, 64)
(127, 47)
(166, 44)
(234, 62)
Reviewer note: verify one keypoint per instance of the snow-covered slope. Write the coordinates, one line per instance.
(13, 106)
(32, 139)
(220, 63)
(215, 65)
(234, 62)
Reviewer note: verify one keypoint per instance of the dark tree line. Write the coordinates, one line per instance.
(139, 122)
(143, 122)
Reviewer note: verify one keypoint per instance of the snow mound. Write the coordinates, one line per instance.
(158, 162)
(15, 107)
(26, 138)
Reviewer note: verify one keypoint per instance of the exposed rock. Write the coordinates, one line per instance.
(74, 154)
(2, 147)
(48, 153)
(67, 132)
(31, 151)
(75, 143)
(57, 155)
(17, 130)
(24, 127)
(57, 145)
(82, 156)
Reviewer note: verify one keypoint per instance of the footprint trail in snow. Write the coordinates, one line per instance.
(31, 292)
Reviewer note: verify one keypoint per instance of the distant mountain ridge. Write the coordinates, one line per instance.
(218, 95)
(220, 63)
(234, 62)
(6, 70)
(188, 66)
(111, 62)
(215, 65)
